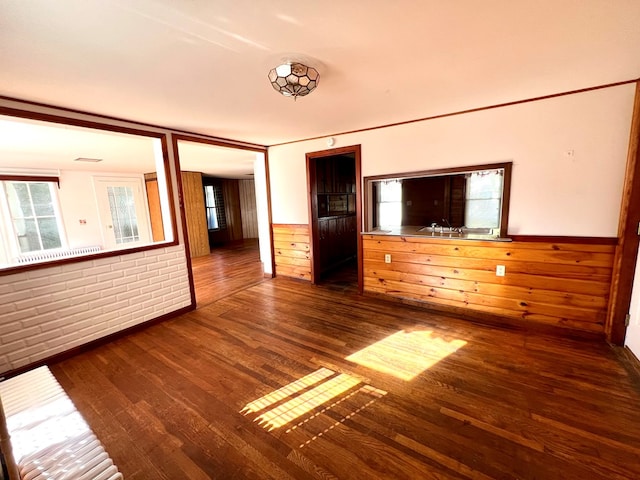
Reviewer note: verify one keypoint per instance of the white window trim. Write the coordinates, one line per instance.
(12, 248)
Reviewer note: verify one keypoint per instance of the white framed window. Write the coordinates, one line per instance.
(484, 198)
(390, 203)
(33, 222)
(214, 205)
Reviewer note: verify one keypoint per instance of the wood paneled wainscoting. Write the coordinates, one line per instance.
(291, 248)
(196, 218)
(562, 283)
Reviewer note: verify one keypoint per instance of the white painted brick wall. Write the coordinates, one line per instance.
(47, 311)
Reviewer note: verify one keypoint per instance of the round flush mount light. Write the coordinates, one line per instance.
(294, 79)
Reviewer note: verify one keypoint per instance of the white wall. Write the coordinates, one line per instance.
(45, 312)
(78, 202)
(49, 310)
(632, 338)
(262, 210)
(551, 194)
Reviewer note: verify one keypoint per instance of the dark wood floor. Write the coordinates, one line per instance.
(343, 278)
(201, 396)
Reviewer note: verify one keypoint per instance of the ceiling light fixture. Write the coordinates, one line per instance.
(294, 79)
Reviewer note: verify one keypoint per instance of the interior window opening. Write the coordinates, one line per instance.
(68, 190)
(456, 202)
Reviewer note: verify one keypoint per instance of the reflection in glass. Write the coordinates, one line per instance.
(41, 196)
(49, 233)
(28, 237)
(21, 204)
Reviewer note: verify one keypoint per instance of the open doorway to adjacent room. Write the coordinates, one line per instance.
(334, 183)
(224, 195)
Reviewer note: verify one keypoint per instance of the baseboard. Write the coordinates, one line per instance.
(95, 343)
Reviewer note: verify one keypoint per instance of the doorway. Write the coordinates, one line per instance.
(226, 216)
(123, 211)
(334, 186)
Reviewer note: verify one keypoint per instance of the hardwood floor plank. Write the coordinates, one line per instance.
(227, 270)
(169, 401)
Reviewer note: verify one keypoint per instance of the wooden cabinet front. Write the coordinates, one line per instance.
(338, 240)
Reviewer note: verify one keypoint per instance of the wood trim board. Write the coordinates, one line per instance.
(624, 266)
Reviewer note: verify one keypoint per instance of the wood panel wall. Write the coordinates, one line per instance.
(231, 194)
(291, 248)
(155, 210)
(559, 284)
(248, 208)
(195, 215)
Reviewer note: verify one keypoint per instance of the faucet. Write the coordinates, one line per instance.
(452, 229)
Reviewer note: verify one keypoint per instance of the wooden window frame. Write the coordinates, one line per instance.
(506, 186)
(62, 120)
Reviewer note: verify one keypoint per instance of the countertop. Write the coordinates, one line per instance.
(421, 231)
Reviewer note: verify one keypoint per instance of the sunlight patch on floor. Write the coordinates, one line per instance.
(406, 355)
(286, 391)
(373, 393)
(304, 397)
(307, 402)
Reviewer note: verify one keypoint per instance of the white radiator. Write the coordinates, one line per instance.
(49, 437)
(44, 255)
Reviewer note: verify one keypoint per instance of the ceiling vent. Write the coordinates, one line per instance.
(88, 160)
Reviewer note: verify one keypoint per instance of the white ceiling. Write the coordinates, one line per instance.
(33, 145)
(201, 65)
(216, 161)
(30, 146)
